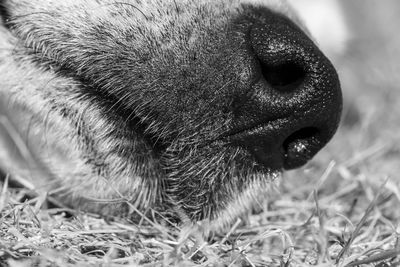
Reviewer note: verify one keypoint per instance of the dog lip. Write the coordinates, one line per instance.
(263, 141)
(242, 130)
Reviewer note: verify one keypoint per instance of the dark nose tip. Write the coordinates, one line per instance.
(293, 108)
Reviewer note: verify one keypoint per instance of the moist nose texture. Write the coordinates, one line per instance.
(294, 108)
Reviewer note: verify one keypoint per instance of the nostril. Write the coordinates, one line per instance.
(285, 77)
(302, 134)
(301, 146)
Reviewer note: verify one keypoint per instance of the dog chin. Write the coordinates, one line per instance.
(253, 196)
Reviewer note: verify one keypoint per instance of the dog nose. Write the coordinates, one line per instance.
(293, 108)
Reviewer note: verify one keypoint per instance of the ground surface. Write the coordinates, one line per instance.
(342, 209)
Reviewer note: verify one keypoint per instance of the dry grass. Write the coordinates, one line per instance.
(343, 209)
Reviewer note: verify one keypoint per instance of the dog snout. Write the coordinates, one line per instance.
(293, 108)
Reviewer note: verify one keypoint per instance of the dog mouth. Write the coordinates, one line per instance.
(274, 144)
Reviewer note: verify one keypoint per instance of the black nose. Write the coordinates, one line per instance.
(293, 108)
